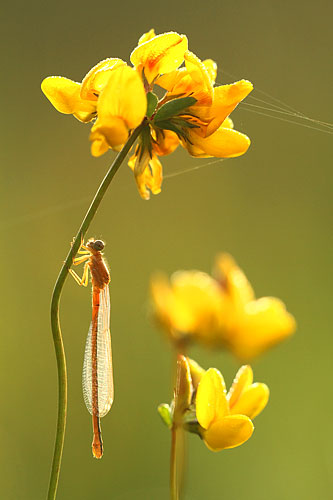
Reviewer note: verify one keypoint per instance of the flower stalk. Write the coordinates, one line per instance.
(177, 454)
(55, 323)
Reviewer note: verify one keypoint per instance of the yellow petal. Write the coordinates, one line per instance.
(173, 81)
(265, 323)
(162, 297)
(94, 81)
(148, 173)
(163, 302)
(202, 84)
(122, 105)
(114, 130)
(228, 123)
(224, 143)
(161, 54)
(211, 402)
(193, 80)
(64, 94)
(233, 281)
(228, 432)
(165, 142)
(196, 372)
(197, 304)
(140, 166)
(252, 401)
(154, 175)
(124, 97)
(226, 98)
(147, 36)
(243, 379)
(193, 305)
(99, 144)
(211, 68)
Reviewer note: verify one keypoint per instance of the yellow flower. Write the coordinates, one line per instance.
(196, 372)
(194, 79)
(250, 325)
(147, 172)
(145, 163)
(121, 107)
(119, 98)
(156, 55)
(96, 79)
(202, 405)
(220, 311)
(147, 36)
(226, 418)
(80, 99)
(211, 133)
(188, 306)
(245, 397)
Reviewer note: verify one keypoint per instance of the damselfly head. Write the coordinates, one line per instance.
(97, 245)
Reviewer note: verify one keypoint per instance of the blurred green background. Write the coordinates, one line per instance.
(271, 209)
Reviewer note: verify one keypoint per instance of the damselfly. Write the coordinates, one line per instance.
(97, 377)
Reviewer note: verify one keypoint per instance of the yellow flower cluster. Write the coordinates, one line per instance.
(220, 310)
(223, 420)
(118, 98)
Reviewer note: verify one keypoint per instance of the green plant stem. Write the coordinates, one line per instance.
(55, 323)
(177, 455)
(174, 493)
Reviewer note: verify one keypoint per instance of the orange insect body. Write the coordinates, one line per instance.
(97, 379)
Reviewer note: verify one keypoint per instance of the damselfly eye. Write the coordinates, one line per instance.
(98, 245)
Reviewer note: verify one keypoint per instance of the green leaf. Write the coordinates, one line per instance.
(164, 411)
(152, 101)
(174, 107)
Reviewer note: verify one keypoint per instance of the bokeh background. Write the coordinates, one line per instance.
(271, 209)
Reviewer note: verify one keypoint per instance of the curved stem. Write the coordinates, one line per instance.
(55, 323)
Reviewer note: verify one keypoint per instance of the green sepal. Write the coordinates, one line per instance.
(172, 108)
(181, 122)
(191, 424)
(169, 125)
(152, 101)
(165, 413)
(194, 428)
(145, 141)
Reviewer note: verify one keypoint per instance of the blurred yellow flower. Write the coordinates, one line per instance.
(189, 306)
(250, 325)
(119, 98)
(226, 418)
(220, 311)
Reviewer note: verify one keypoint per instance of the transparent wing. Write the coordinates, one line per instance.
(104, 360)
